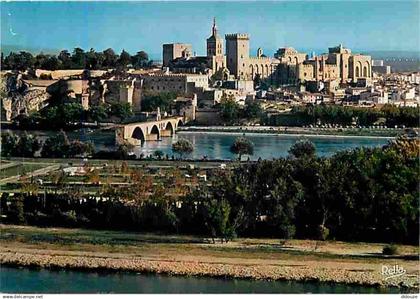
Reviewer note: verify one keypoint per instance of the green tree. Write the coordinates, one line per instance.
(98, 113)
(56, 146)
(94, 60)
(121, 110)
(80, 149)
(21, 61)
(285, 196)
(51, 63)
(62, 115)
(242, 146)
(40, 60)
(216, 216)
(303, 148)
(182, 147)
(229, 109)
(9, 144)
(140, 59)
(162, 100)
(65, 59)
(253, 110)
(124, 59)
(78, 58)
(110, 58)
(27, 145)
(17, 212)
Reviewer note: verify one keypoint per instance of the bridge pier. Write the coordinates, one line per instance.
(152, 137)
(166, 133)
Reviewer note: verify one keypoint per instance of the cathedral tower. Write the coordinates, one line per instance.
(214, 42)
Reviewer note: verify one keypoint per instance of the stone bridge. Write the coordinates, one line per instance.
(138, 133)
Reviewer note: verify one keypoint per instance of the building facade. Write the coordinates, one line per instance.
(179, 83)
(339, 64)
(242, 65)
(176, 50)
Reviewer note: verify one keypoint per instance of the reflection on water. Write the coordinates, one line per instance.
(217, 145)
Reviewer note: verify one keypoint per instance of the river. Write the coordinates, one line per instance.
(24, 280)
(216, 145)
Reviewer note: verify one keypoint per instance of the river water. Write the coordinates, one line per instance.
(216, 145)
(23, 280)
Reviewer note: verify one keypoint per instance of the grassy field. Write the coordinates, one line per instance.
(358, 263)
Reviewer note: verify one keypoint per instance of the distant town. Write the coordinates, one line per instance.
(204, 90)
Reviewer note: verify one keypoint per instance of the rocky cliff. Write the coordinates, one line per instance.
(17, 97)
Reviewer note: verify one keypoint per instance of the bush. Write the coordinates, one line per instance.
(182, 147)
(323, 232)
(17, 214)
(390, 249)
(303, 148)
(242, 146)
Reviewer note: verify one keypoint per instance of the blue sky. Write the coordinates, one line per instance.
(305, 25)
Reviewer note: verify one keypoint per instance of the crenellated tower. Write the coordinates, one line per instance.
(237, 53)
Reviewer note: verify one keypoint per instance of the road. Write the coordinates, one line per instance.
(38, 172)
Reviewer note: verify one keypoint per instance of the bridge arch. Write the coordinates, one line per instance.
(170, 127)
(138, 134)
(155, 130)
(180, 123)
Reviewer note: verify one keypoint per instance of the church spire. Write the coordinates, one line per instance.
(214, 29)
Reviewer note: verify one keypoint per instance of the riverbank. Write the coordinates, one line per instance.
(301, 131)
(298, 260)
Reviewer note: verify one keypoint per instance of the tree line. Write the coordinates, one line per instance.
(78, 59)
(64, 115)
(233, 113)
(363, 194)
(389, 115)
(56, 146)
